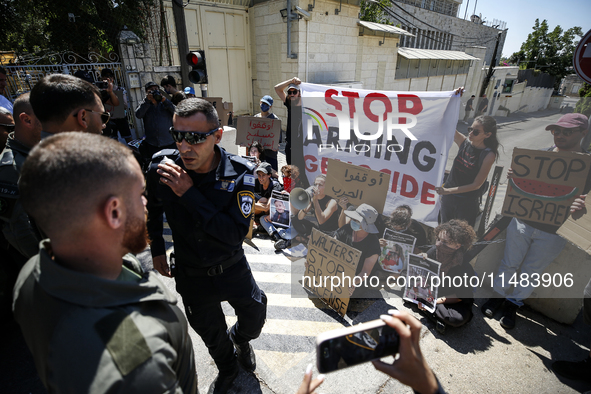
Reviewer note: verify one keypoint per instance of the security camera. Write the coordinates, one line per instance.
(71, 17)
(301, 12)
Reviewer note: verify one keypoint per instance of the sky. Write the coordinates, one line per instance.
(521, 15)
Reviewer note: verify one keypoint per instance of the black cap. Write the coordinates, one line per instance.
(150, 84)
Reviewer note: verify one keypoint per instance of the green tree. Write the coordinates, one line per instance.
(30, 26)
(548, 51)
(584, 104)
(374, 11)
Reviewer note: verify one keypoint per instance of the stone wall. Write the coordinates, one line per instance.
(136, 60)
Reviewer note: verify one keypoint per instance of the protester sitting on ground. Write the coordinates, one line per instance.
(256, 150)
(531, 246)
(360, 233)
(326, 210)
(461, 192)
(454, 303)
(291, 177)
(263, 189)
(410, 368)
(401, 221)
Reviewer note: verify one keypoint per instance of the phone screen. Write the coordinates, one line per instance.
(356, 348)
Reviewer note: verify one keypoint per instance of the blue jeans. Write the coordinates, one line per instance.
(528, 250)
(285, 233)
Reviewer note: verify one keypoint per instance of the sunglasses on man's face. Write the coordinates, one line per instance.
(192, 137)
(292, 92)
(8, 127)
(564, 132)
(474, 131)
(105, 116)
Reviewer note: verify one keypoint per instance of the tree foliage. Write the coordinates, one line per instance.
(548, 51)
(30, 26)
(373, 11)
(584, 104)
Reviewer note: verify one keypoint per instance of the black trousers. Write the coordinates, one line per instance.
(202, 297)
(455, 315)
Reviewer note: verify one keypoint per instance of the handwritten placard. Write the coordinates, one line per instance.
(224, 109)
(544, 184)
(264, 130)
(358, 184)
(330, 268)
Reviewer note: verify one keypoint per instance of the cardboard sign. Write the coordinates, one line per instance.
(264, 130)
(224, 109)
(544, 184)
(330, 267)
(577, 229)
(358, 184)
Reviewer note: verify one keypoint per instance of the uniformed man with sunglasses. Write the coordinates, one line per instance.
(207, 195)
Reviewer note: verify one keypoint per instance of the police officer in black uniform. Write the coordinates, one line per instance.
(207, 195)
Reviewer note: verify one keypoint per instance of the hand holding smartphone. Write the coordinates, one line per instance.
(410, 368)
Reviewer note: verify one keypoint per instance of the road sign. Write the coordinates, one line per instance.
(582, 58)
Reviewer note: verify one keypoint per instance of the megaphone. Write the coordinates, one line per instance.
(300, 198)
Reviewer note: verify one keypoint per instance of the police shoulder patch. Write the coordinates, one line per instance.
(249, 179)
(245, 202)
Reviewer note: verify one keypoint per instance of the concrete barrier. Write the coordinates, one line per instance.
(558, 303)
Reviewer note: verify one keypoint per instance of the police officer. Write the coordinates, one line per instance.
(207, 195)
(19, 238)
(93, 321)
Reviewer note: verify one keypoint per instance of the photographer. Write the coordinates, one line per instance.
(118, 123)
(156, 111)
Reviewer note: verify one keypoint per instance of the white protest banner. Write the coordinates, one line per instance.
(404, 134)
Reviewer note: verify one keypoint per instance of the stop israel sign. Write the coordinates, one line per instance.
(582, 58)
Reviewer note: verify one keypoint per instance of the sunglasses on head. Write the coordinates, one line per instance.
(564, 132)
(9, 127)
(474, 131)
(105, 116)
(192, 137)
(292, 92)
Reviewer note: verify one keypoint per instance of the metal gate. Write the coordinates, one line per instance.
(24, 73)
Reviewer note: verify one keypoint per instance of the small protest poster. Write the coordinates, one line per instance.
(330, 269)
(394, 256)
(359, 184)
(279, 209)
(264, 130)
(419, 285)
(544, 184)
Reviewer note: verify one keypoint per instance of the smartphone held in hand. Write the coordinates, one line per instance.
(355, 345)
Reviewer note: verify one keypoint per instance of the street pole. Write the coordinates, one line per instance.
(491, 67)
(181, 35)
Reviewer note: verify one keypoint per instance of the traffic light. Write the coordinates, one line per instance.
(196, 59)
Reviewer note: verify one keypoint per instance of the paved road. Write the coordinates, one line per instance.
(481, 357)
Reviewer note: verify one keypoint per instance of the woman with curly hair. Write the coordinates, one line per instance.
(454, 303)
(460, 194)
